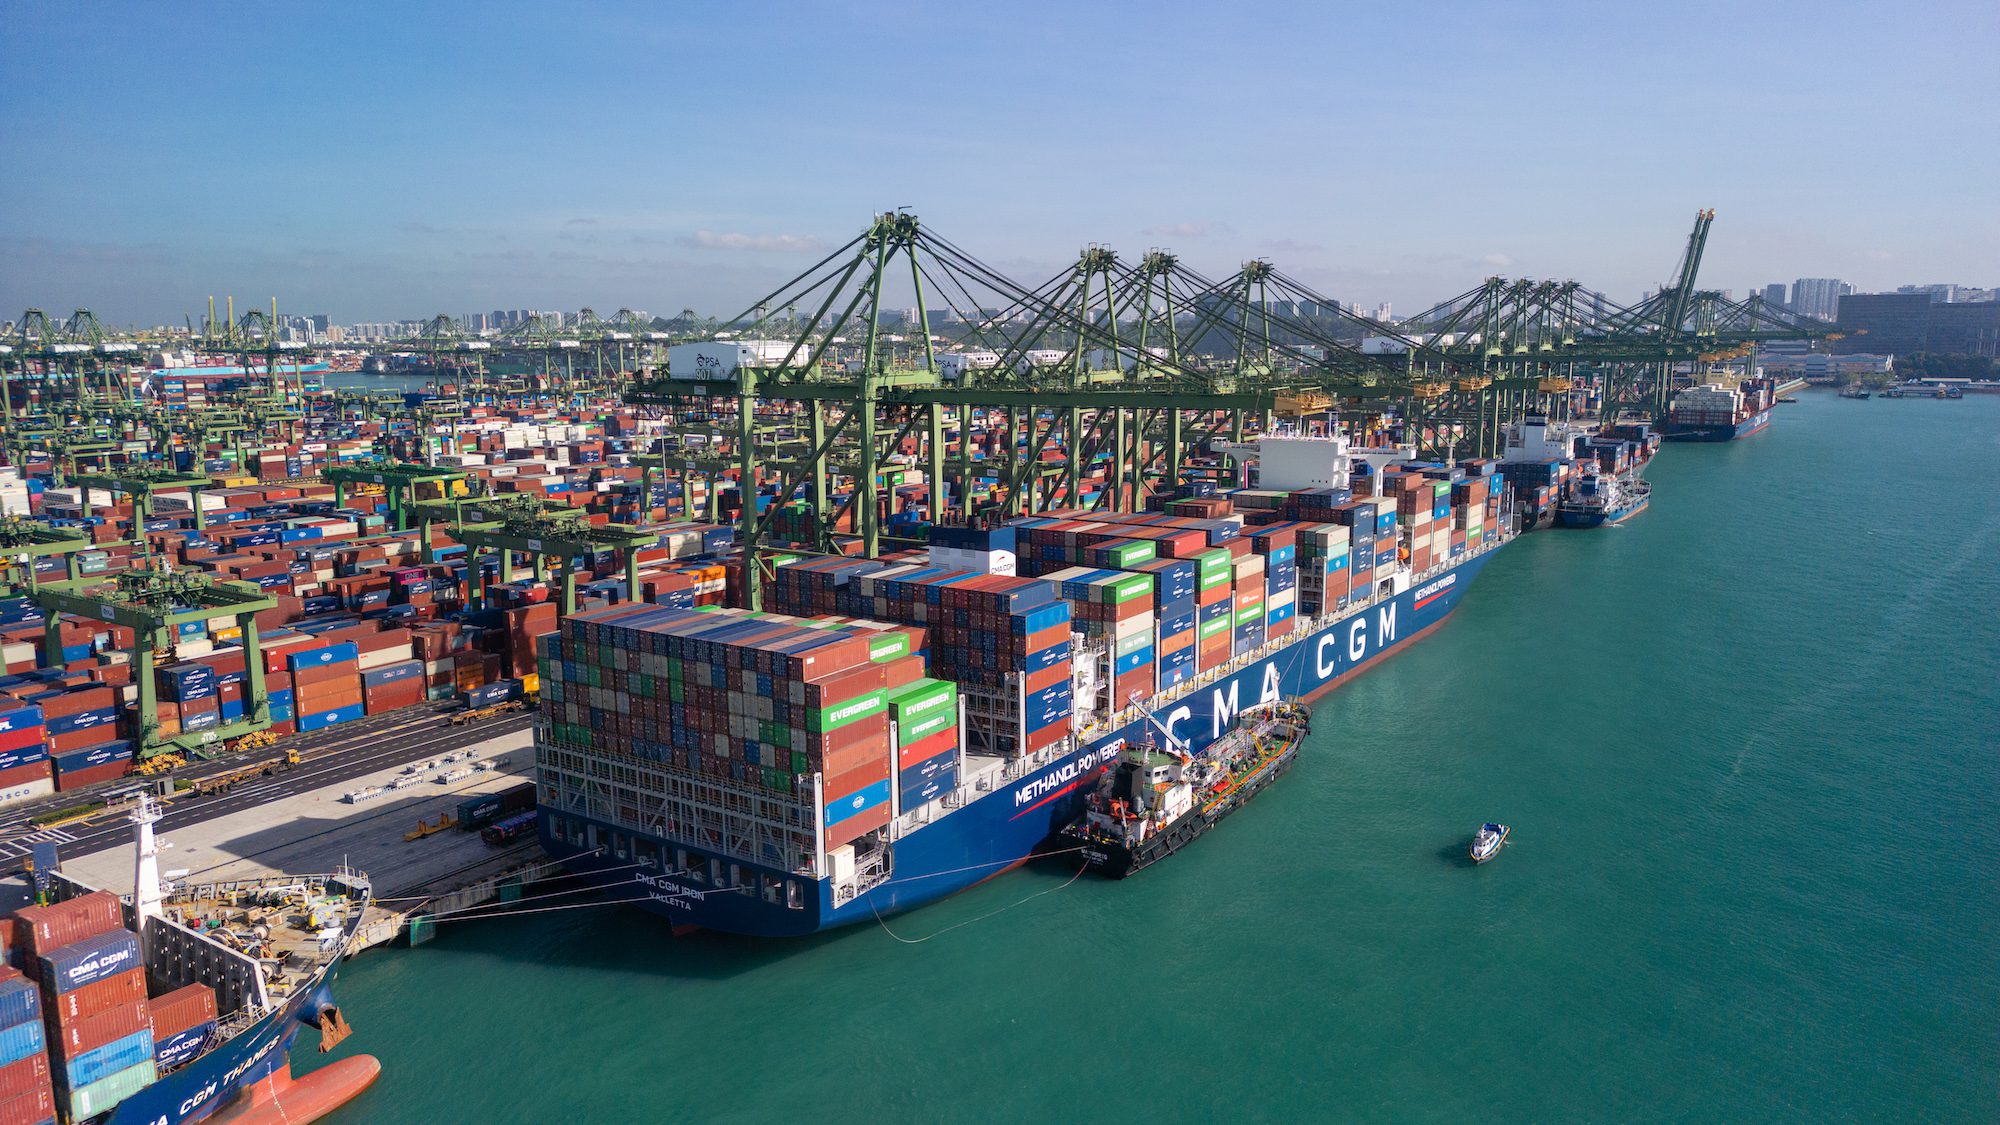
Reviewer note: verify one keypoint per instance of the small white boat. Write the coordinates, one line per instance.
(1486, 842)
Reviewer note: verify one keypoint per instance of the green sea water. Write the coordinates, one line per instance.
(1749, 745)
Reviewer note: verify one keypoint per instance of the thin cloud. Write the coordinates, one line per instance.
(1292, 246)
(1497, 261)
(1200, 228)
(765, 243)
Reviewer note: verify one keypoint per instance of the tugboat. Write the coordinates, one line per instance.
(1600, 499)
(1152, 801)
(1853, 390)
(1486, 842)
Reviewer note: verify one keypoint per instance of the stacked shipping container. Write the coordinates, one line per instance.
(760, 699)
(96, 1016)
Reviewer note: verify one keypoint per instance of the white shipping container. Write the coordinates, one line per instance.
(27, 791)
(722, 359)
(954, 365)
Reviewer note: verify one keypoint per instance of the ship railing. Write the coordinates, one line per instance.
(312, 884)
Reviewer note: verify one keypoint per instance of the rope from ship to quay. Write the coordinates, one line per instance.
(980, 918)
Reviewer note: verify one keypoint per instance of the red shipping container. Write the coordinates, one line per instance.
(23, 775)
(92, 1032)
(81, 739)
(31, 1108)
(22, 736)
(181, 1009)
(77, 779)
(924, 749)
(98, 996)
(23, 1077)
(1047, 678)
(853, 770)
(1047, 736)
(38, 929)
(857, 826)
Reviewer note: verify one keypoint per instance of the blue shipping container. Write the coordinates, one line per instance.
(83, 720)
(19, 1002)
(89, 961)
(320, 720)
(24, 755)
(90, 757)
(344, 652)
(20, 718)
(860, 802)
(103, 1062)
(914, 776)
(390, 673)
(20, 1041)
(929, 790)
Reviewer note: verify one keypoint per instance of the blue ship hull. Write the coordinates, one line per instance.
(1005, 827)
(1743, 429)
(214, 1081)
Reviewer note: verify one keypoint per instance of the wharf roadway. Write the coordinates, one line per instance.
(330, 757)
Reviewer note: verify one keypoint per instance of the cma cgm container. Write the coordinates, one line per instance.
(477, 812)
(645, 751)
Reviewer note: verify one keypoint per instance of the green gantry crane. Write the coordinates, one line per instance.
(141, 484)
(24, 541)
(399, 481)
(545, 533)
(151, 603)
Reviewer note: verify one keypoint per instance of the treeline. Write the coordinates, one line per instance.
(1944, 365)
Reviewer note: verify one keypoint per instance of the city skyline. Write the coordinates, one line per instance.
(599, 162)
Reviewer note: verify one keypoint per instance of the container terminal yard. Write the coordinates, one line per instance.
(773, 624)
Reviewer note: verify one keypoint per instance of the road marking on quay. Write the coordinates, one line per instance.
(25, 845)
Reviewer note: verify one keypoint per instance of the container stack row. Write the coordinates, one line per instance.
(765, 700)
(96, 1016)
(1004, 640)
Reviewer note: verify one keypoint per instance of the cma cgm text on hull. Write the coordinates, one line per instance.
(1000, 813)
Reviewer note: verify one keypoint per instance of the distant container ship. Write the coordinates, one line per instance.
(916, 725)
(1714, 412)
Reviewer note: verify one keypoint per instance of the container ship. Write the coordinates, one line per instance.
(906, 727)
(176, 1006)
(1714, 412)
(1575, 475)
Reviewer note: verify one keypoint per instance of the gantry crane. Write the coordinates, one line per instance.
(153, 603)
(547, 534)
(401, 483)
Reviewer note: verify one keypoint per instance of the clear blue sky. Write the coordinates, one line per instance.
(372, 160)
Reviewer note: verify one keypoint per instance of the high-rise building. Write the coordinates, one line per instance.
(1818, 296)
(1774, 294)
